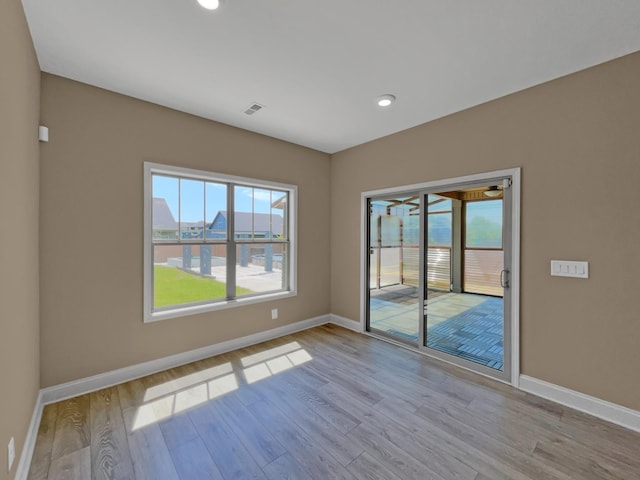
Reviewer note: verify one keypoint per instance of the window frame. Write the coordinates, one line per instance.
(290, 224)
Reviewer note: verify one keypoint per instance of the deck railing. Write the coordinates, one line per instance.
(401, 265)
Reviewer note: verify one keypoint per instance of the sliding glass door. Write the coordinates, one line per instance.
(438, 267)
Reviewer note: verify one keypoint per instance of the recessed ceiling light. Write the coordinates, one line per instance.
(385, 100)
(209, 4)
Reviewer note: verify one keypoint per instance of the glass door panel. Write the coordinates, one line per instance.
(464, 311)
(394, 266)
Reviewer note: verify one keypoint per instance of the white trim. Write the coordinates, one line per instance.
(365, 281)
(603, 409)
(212, 307)
(220, 177)
(515, 276)
(30, 440)
(515, 175)
(476, 177)
(147, 227)
(115, 377)
(346, 323)
(149, 168)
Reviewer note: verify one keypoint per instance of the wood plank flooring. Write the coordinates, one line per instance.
(325, 403)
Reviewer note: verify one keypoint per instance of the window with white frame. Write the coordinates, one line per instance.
(215, 241)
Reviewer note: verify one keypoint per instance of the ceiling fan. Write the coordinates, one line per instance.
(493, 191)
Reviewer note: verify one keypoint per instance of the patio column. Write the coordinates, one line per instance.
(205, 260)
(186, 257)
(244, 255)
(456, 246)
(268, 258)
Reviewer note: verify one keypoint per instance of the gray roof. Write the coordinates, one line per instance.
(263, 222)
(162, 216)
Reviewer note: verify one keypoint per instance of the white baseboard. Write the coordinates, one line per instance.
(30, 441)
(345, 322)
(115, 377)
(611, 412)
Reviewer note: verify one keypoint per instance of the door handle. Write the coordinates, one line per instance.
(504, 280)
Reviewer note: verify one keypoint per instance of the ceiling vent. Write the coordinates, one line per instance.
(253, 108)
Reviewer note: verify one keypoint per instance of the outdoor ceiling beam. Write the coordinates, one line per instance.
(437, 201)
(454, 195)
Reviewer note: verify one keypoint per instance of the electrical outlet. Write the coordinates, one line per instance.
(274, 314)
(11, 450)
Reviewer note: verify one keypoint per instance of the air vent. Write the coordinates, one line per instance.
(253, 108)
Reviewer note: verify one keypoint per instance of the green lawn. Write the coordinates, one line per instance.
(173, 286)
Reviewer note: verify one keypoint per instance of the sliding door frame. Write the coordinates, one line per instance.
(512, 294)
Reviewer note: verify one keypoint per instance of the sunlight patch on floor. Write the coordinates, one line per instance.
(181, 394)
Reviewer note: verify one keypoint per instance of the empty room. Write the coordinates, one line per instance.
(319, 240)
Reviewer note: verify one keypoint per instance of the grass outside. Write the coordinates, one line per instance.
(173, 286)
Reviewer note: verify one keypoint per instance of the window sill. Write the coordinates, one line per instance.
(212, 307)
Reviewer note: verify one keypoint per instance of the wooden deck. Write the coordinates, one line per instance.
(325, 403)
(468, 326)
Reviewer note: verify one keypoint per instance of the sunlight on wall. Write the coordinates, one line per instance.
(189, 391)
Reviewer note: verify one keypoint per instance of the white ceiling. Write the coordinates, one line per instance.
(318, 66)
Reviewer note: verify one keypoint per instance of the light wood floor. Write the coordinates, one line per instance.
(325, 403)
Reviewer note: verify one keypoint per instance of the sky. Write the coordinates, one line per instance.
(192, 202)
(490, 209)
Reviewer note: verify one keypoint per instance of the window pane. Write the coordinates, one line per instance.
(164, 208)
(262, 227)
(411, 230)
(279, 202)
(482, 269)
(439, 229)
(184, 274)
(439, 204)
(484, 224)
(216, 210)
(390, 266)
(390, 231)
(373, 229)
(260, 268)
(243, 198)
(260, 213)
(191, 209)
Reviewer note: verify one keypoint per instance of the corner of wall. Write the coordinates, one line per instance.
(19, 252)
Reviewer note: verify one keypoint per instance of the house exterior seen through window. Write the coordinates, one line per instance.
(215, 241)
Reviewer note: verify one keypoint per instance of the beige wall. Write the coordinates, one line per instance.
(91, 227)
(19, 111)
(577, 140)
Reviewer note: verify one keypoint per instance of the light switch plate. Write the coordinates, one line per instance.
(567, 268)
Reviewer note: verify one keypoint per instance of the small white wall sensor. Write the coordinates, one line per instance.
(43, 133)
